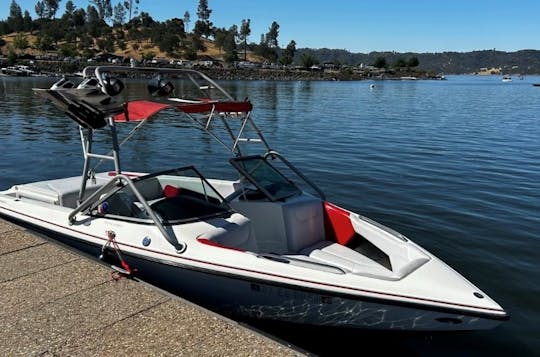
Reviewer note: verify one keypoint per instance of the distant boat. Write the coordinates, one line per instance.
(408, 78)
(17, 70)
(439, 77)
(536, 84)
(507, 78)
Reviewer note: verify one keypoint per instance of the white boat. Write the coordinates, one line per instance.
(18, 70)
(260, 246)
(507, 78)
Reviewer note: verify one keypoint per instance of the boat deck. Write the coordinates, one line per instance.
(55, 302)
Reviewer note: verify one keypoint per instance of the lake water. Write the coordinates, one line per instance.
(454, 165)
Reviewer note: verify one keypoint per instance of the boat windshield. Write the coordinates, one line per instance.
(176, 196)
(265, 177)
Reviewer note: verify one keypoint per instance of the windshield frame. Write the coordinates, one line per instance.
(237, 163)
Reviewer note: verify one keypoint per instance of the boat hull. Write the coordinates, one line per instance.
(242, 296)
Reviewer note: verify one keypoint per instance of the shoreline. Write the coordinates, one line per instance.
(305, 75)
(262, 74)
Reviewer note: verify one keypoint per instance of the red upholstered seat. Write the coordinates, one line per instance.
(171, 191)
(338, 224)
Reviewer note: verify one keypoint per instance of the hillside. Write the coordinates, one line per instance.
(519, 62)
(144, 47)
(524, 61)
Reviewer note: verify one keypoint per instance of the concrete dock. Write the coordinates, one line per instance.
(57, 303)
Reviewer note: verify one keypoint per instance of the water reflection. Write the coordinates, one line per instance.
(306, 87)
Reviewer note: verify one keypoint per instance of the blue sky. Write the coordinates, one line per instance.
(365, 26)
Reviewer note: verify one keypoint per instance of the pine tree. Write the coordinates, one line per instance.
(104, 8)
(15, 18)
(272, 35)
(119, 15)
(187, 20)
(245, 31)
(203, 26)
(132, 6)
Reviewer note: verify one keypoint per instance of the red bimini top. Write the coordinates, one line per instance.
(138, 110)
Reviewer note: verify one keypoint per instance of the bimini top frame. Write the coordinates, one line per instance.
(97, 103)
(202, 106)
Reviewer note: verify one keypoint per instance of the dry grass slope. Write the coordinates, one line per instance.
(144, 46)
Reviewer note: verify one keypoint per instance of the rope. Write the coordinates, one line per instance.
(119, 272)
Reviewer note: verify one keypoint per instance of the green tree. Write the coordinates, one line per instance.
(67, 18)
(269, 42)
(119, 17)
(197, 44)
(50, 8)
(175, 26)
(190, 53)
(220, 36)
(288, 54)
(20, 42)
(68, 50)
(168, 35)
(146, 20)
(272, 35)
(27, 22)
(203, 26)
(12, 57)
(70, 36)
(132, 6)
(148, 56)
(413, 62)
(169, 43)
(187, 20)
(104, 9)
(245, 31)
(266, 52)
(44, 43)
(40, 9)
(79, 18)
(400, 63)
(308, 60)
(105, 44)
(134, 34)
(4, 28)
(93, 22)
(55, 31)
(70, 8)
(15, 19)
(231, 55)
(86, 53)
(380, 62)
(121, 44)
(263, 50)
